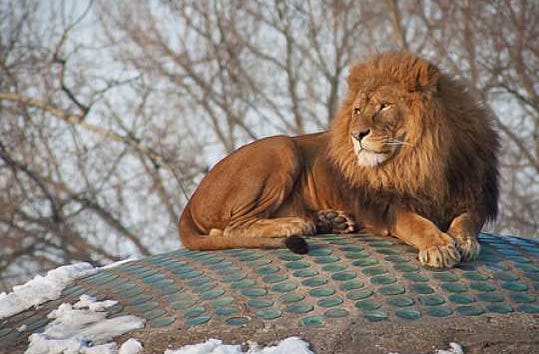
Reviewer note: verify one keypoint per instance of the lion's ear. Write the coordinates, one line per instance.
(426, 77)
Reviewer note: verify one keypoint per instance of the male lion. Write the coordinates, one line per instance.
(411, 153)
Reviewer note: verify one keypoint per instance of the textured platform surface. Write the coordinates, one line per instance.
(343, 278)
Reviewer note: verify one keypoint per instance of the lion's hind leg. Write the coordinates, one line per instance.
(288, 229)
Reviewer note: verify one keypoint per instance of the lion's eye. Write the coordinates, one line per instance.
(357, 110)
(384, 106)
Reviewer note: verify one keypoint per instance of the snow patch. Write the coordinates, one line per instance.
(455, 349)
(215, 346)
(83, 328)
(130, 346)
(41, 289)
(49, 287)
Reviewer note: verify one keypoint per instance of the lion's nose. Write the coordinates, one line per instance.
(360, 134)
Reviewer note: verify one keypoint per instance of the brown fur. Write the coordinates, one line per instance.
(434, 191)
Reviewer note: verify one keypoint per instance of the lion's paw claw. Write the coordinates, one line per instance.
(445, 256)
(469, 248)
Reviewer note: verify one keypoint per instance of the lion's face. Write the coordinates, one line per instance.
(378, 125)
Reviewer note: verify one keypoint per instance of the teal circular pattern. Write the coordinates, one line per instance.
(343, 276)
(254, 292)
(375, 315)
(311, 282)
(367, 305)
(312, 321)
(408, 314)
(268, 314)
(330, 302)
(300, 308)
(499, 308)
(305, 273)
(383, 279)
(336, 313)
(358, 294)
(354, 284)
(461, 298)
(390, 290)
(400, 301)
(470, 310)
(321, 292)
(438, 311)
(259, 303)
(284, 287)
(290, 298)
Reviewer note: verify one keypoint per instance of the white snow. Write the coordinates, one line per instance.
(41, 289)
(130, 346)
(49, 287)
(455, 349)
(289, 345)
(84, 328)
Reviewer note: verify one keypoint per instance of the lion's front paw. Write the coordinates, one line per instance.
(335, 221)
(441, 256)
(468, 247)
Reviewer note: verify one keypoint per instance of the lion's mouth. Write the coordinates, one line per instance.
(368, 156)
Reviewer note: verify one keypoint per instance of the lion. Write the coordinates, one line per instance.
(411, 154)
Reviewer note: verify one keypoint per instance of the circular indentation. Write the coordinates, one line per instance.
(222, 301)
(499, 308)
(249, 257)
(390, 290)
(334, 267)
(167, 290)
(397, 259)
(365, 262)
(519, 259)
(490, 297)
(264, 270)
(290, 256)
(421, 289)
(150, 315)
(367, 305)
(162, 321)
(336, 313)
(438, 311)
(506, 276)
(312, 321)
(431, 300)
(351, 248)
(356, 255)
(305, 273)
(300, 308)
(482, 286)
(406, 268)
(375, 315)
(147, 306)
(330, 302)
(383, 279)
(226, 311)
(242, 284)
(183, 304)
(527, 267)
(289, 298)
(274, 278)
(193, 274)
(259, 303)
(416, 277)
(204, 287)
(350, 285)
(254, 292)
(445, 277)
(522, 298)
(374, 271)
(284, 287)
(298, 264)
(461, 299)
(234, 277)
(400, 301)
(5, 331)
(139, 299)
(268, 314)
(153, 278)
(454, 287)
(314, 282)
(380, 243)
(476, 276)
(237, 321)
(197, 321)
(212, 294)
(469, 310)
(388, 251)
(320, 252)
(408, 314)
(320, 292)
(528, 308)
(194, 312)
(358, 294)
(514, 286)
(326, 259)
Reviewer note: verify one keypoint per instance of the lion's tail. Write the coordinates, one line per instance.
(193, 239)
